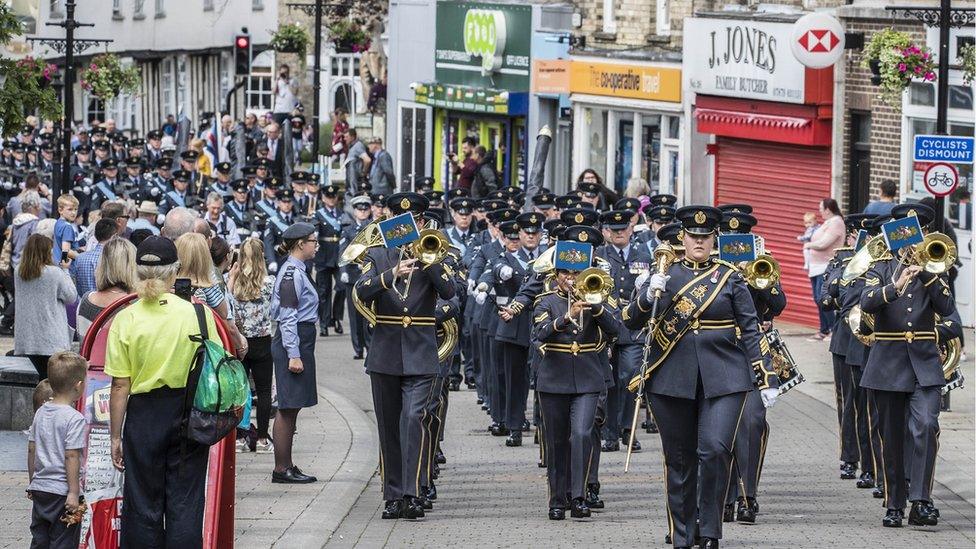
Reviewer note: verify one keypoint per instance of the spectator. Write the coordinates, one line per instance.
(55, 443)
(601, 199)
(149, 353)
(148, 212)
(886, 201)
(276, 149)
(40, 323)
(169, 127)
(82, 270)
(485, 178)
(339, 127)
(251, 128)
(357, 162)
(249, 286)
(115, 277)
(284, 91)
(65, 245)
(466, 166)
(24, 225)
(828, 236)
(178, 222)
(810, 224)
(203, 164)
(638, 188)
(382, 176)
(32, 183)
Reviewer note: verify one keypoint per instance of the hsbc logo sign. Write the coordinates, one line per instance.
(818, 40)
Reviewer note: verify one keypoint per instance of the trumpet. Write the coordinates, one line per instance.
(873, 250)
(368, 237)
(936, 253)
(593, 285)
(762, 272)
(431, 247)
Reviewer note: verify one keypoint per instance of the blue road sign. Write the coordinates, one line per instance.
(943, 148)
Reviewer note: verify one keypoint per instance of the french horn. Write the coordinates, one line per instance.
(447, 339)
(861, 325)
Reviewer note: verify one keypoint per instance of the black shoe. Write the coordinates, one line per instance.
(866, 481)
(848, 470)
(412, 508)
(455, 385)
(878, 492)
(435, 471)
(292, 475)
(535, 437)
(744, 512)
(650, 426)
(423, 500)
(492, 426)
(708, 543)
(541, 464)
(526, 426)
(593, 500)
(579, 509)
(922, 514)
(610, 446)
(357, 356)
(337, 324)
(6, 330)
(636, 446)
(484, 406)
(499, 430)
(557, 513)
(393, 509)
(470, 383)
(667, 539)
(932, 508)
(514, 439)
(728, 512)
(323, 332)
(753, 505)
(439, 457)
(431, 492)
(892, 518)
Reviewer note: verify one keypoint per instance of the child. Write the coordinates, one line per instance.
(42, 394)
(55, 443)
(810, 222)
(64, 228)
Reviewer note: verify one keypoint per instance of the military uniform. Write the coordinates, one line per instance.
(176, 198)
(331, 292)
(277, 222)
(359, 331)
(403, 363)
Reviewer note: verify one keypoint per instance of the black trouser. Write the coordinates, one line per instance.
(516, 383)
(624, 363)
(697, 436)
(469, 363)
(844, 394)
(359, 331)
(599, 419)
(165, 474)
(330, 302)
(477, 360)
(47, 530)
(258, 362)
(913, 416)
(866, 419)
(433, 427)
(568, 422)
(40, 364)
(8, 310)
(401, 409)
(749, 449)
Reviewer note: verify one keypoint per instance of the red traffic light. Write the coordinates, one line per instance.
(242, 42)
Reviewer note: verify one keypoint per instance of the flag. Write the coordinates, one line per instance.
(214, 139)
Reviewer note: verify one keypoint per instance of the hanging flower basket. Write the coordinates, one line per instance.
(106, 78)
(26, 88)
(290, 38)
(348, 37)
(895, 62)
(968, 56)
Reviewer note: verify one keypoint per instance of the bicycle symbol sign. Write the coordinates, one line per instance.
(941, 179)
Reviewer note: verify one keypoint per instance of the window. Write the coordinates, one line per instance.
(207, 5)
(609, 17)
(94, 109)
(596, 139)
(116, 9)
(663, 19)
(259, 85)
(257, 5)
(182, 101)
(160, 8)
(168, 86)
(413, 142)
(138, 9)
(57, 8)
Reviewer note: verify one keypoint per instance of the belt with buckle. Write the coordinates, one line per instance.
(904, 336)
(701, 324)
(329, 239)
(405, 321)
(573, 348)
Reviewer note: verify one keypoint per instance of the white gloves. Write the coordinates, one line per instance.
(769, 396)
(344, 278)
(658, 282)
(480, 297)
(641, 279)
(470, 285)
(272, 267)
(482, 287)
(505, 272)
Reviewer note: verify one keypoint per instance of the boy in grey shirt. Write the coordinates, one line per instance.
(55, 443)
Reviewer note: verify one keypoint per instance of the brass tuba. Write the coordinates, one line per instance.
(936, 253)
(861, 325)
(593, 285)
(545, 262)
(431, 247)
(873, 250)
(368, 237)
(762, 272)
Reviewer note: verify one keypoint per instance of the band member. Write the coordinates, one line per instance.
(461, 234)
(329, 220)
(700, 373)
(403, 363)
(221, 183)
(571, 334)
(904, 370)
(277, 222)
(358, 328)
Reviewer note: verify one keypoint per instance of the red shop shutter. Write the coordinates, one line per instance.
(781, 182)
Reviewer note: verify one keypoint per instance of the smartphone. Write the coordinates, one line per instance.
(233, 257)
(64, 256)
(183, 289)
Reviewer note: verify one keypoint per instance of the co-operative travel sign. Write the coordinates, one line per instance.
(943, 148)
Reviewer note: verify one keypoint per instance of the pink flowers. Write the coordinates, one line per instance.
(902, 67)
(930, 76)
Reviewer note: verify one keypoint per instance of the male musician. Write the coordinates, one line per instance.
(154, 145)
(508, 274)
(403, 363)
(133, 180)
(904, 370)
(627, 261)
(160, 182)
(135, 149)
(359, 330)
(545, 203)
(329, 221)
(221, 224)
(108, 186)
(180, 196)
(460, 235)
(188, 163)
(378, 208)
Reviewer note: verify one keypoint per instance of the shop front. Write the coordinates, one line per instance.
(627, 121)
(766, 122)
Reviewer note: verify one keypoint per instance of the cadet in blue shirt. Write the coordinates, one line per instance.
(294, 306)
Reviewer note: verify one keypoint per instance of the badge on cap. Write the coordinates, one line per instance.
(733, 223)
(699, 217)
(405, 203)
(912, 213)
(578, 218)
(583, 236)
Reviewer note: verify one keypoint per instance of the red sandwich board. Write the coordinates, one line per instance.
(102, 483)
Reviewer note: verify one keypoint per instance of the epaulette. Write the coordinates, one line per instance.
(843, 249)
(725, 263)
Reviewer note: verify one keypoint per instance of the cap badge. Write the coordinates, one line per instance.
(583, 236)
(405, 203)
(578, 218)
(700, 217)
(912, 213)
(734, 223)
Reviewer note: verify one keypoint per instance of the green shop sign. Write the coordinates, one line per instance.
(483, 45)
(462, 98)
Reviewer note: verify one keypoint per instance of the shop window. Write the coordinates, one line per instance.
(596, 127)
(413, 143)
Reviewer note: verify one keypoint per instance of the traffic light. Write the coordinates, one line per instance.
(242, 54)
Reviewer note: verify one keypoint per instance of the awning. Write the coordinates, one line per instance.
(764, 120)
(467, 98)
(749, 119)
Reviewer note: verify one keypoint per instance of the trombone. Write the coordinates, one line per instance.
(935, 253)
(592, 285)
(762, 272)
(429, 248)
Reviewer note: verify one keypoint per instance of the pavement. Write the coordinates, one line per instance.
(493, 496)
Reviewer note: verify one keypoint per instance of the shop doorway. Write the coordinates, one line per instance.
(859, 164)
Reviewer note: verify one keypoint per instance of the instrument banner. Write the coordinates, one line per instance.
(736, 248)
(573, 256)
(862, 238)
(399, 230)
(902, 232)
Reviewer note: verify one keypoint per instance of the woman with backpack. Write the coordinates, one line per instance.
(149, 354)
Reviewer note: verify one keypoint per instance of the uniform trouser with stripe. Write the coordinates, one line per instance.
(750, 449)
(599, 419)
(866, 419)
(433, 426)
(401, 412)
(359, 331)
(912, 419)
(844, 393)
(569, 437)
(469, 363)
(624, 364)
(499, 402)
(516, 383)
(697, 436)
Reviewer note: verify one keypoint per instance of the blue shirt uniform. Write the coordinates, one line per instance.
(294, 300)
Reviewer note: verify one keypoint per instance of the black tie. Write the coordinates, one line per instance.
(622, 258)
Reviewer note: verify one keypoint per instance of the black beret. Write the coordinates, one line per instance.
(298, 230)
